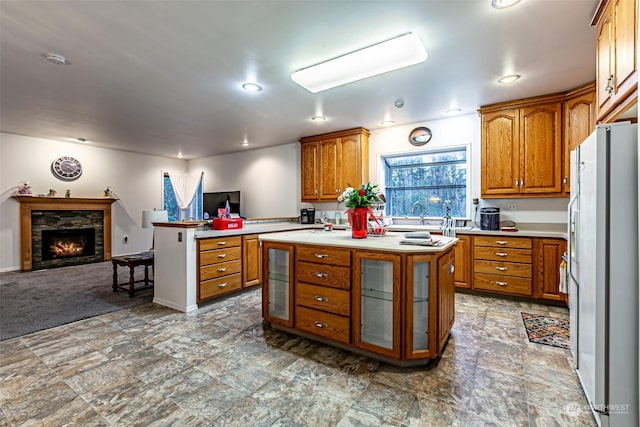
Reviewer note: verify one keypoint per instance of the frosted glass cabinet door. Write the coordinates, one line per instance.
(279, 266)
(420, 306)
(378, 306)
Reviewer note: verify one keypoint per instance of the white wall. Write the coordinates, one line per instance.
(455, 131)
(268, 179)
(135, 179)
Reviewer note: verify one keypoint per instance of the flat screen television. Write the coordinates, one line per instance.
(212, 201)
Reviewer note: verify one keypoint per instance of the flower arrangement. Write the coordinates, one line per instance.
(360, 198)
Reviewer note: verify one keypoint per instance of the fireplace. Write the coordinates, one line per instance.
(68, 243)
(61, 231)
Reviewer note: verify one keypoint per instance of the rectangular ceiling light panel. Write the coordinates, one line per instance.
(398, 52)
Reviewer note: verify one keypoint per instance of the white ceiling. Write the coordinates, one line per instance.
(164, 77)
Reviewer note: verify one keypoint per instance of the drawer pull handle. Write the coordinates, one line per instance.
(321, 299)
(501, 268)
(222, 269)
(322, 275)
(501, 242)
(501, 283)
(502, 254)
(222, 256)
(321, 255)
(222, 243)
(320, 324)
(222, 285)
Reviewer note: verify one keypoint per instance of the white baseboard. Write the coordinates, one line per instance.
(7, 269)
(174, 306)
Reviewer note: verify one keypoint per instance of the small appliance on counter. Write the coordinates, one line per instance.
(307, 216)
(490, 219)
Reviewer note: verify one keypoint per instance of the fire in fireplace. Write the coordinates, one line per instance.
(66, 243)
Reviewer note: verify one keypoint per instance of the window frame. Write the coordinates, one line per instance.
(183, 213)
(468, 190)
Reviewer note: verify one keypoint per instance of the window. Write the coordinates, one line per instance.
(193, 211)
(436, 179)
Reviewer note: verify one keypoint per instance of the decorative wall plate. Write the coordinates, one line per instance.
(66, 168)
(420, 136)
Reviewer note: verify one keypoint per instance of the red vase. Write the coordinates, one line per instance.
(358, 217)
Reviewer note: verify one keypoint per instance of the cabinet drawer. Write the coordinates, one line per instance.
(207, 244)
(325, 275)
(502, 254)
(323, 298)
(503, 284)
(220, 255)
(324, 324)
(221, 269)
(220, 285)
(502, 268)
(503, 242)
(324, 255)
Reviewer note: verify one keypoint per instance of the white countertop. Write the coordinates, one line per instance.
(343, 239)
(545, 230)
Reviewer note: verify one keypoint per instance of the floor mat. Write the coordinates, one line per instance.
(546, 330)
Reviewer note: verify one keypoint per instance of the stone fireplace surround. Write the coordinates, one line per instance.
(73, 213)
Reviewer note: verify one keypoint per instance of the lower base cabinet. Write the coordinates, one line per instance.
(397, 307)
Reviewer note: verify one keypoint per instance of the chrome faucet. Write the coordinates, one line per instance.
(413, 209)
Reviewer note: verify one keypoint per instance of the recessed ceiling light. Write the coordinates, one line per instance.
(387, 122)
(245, 143)
(180, 155)
(508, 79)
(453, 111)
(318, 118)
(503, 4)
(252, 87)
(56, 59)
(398, 52)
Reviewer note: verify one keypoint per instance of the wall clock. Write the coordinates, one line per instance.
(66, 168)
(420, 136)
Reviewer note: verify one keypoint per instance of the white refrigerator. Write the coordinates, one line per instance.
(603, 272)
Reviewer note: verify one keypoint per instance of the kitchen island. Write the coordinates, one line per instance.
(374, 296)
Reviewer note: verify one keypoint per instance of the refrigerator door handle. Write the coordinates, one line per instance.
(573, 236)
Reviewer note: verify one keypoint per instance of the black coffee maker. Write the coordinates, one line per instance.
(307, 216)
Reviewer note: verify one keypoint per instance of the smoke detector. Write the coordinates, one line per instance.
(399, 103)
(56, 59)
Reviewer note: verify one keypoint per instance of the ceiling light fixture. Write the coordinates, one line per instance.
(503, 4)
(252, 87)
(398, 52)
(56, 59)
(453, 111)
(508, 79)
(318, 118)
(387, 122)
(245, 143)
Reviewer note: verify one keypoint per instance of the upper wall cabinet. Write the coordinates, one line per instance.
(578, 117)
(524, 147)
(616, 62)
(332, 161)
(521, 151)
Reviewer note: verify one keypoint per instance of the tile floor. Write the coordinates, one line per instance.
(152, 366)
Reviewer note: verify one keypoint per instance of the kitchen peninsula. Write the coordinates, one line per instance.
(375, 296)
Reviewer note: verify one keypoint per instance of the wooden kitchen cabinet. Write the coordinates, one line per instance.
(521, 151)
(219, 266)
(331, 161)
(251, 261)
(463, 262)
(616, 61)
(446, 297)
(277, 287)
(503, 265)
(548, 256)
(377, 302)
(579, 120)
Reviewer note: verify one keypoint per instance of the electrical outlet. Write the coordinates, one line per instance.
(512, 206)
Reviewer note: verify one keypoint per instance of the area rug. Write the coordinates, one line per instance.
(546, 330)
(37, 300)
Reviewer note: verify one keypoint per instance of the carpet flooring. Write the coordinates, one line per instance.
(37, 300)
(546, 330)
